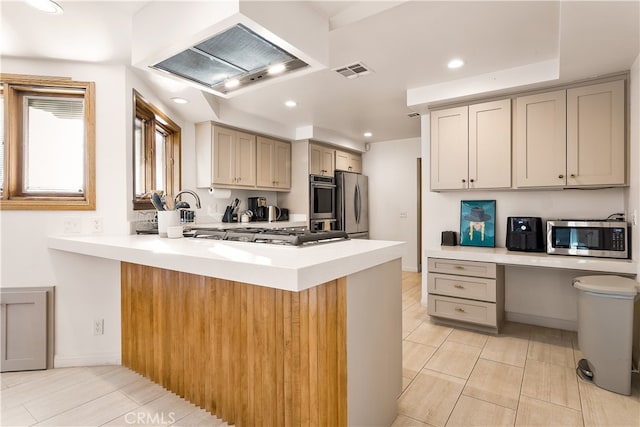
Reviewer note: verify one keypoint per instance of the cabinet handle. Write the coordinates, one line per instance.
(349, 167)
(460, 309)
(560, 176)
(472, 180)
(573, 175)
(239, 179)
(464, 180)
(458, 286)
(458, 267)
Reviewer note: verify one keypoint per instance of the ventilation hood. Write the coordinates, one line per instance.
(229, 47)
(231, 60)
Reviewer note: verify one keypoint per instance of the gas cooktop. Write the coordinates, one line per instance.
(279, 236)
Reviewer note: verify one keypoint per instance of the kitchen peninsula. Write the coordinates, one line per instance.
(261, 332)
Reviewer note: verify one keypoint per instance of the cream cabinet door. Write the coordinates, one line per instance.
(342, 160)
(490, 145)
(264, 162)
(224, 156)
(282, 165)
(595, 135)
(245, 159)
(541, 140)
(321, 160)
(449, 149)
(355, 163)
(315, 159)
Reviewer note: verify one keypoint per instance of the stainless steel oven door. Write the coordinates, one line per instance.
(322, 197)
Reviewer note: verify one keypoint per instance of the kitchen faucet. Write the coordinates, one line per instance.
(193, 193)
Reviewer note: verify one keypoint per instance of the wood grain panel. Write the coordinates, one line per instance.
(250, 355)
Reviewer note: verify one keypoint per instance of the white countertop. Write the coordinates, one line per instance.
(283, 267)
(533, 259)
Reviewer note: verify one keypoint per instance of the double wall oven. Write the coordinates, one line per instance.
(322, 199)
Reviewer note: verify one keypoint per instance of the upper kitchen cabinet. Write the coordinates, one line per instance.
(471, 147)
(226, 157)
(321, 160)
(348, 161)
(273, 164)
(572, 138)
(541, 140)
(596, 135)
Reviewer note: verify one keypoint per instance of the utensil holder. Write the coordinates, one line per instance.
(167, 219)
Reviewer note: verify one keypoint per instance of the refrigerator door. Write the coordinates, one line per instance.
(363, 203)
(349, 202)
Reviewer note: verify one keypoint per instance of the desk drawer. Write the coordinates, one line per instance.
(462, 268)
(462, 286)
(483, 313)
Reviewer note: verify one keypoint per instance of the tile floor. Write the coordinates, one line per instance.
(523, 377)
(454, 377)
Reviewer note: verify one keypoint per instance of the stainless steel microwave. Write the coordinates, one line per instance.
(606, 239)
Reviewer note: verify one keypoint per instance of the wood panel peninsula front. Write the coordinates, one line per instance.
(261, 334)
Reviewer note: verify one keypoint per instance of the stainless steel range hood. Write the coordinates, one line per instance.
(209, 44)
(231, 60)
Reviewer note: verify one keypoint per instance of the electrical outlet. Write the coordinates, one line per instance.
(95, 224)
(98, 327)
(403, 214)
(72, 224)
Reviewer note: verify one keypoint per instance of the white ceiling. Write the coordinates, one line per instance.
(406, 43)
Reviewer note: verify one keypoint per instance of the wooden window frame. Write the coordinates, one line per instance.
(14, 88)
(154, 118)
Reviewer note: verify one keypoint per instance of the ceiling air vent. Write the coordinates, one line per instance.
(353, 71)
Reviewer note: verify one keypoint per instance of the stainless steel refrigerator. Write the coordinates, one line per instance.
(352, 204)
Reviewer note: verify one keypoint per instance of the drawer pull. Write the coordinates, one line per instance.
(460, 309)
(458, 267)
(458, 286)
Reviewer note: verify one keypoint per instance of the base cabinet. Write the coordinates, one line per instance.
(466, 292)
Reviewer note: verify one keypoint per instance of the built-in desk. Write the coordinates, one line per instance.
(466, 285)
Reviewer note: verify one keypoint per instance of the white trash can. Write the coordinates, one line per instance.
(605, 330)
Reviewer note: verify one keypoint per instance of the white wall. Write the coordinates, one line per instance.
(85, 289)
(535, 296)
(393, 192)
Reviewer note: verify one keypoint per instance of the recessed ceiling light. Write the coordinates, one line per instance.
(179, 100)
(455, 63)
(232, 83)
(46, 6)
(290, 103)
(276, 69)
(367, 134)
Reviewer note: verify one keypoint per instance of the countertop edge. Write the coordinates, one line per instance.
(284, 275)
(531, 259)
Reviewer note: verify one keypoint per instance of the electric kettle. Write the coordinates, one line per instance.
(273, 213)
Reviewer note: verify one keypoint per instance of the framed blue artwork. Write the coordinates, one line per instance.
(478, 223)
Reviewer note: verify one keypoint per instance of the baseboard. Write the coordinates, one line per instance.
(87, 360)
(548, 322)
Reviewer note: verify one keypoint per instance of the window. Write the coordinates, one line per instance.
(156, 153)
(47, 133)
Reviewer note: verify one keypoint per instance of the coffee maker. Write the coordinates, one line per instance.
(258, 205)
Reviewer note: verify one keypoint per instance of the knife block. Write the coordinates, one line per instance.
(228, 214)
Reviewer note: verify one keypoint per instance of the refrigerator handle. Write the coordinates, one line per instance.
(357, 203)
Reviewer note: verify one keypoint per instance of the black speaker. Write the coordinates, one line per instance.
(449, 238)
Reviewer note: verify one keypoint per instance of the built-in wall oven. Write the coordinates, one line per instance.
(322, 202)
